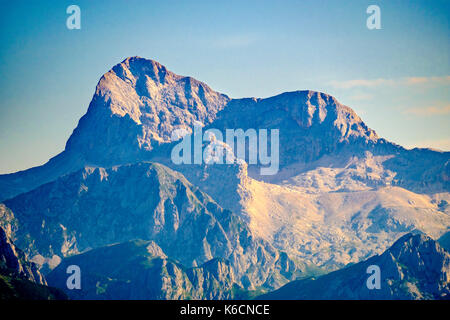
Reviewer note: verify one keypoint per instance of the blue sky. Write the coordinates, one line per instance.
(397, 78)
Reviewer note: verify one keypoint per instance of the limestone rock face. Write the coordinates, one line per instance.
(136, 106)
(316, 131)
(139, 102)
(96, 207)
(341, 195)
(311, 123)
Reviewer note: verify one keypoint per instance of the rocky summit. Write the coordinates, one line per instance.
(342, 193)
(145, 100)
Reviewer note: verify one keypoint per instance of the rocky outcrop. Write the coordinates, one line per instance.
(316, 131)
(140, 270)
(13, 260)
(95, 207)
(20, 278)
(444, 241)
(342, 193)
(139, 102)
(415, 267)
(136, 106)
(311, 123)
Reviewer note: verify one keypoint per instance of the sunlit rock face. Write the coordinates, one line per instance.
(136, 106)
(95, 207)
(311, 123)
(139, 102)
(341, 195)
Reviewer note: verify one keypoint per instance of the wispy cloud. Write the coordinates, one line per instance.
(429, 111)
(432, 80)
(347, 84)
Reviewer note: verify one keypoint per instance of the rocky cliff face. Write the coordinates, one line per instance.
(342, 193)
(139, 102)
(415, 267)
(95, 207)
(444, 241)
(13, 260)
(140, 270)
(20, 278)
(311, 123)
(315, 127)
(136, 106)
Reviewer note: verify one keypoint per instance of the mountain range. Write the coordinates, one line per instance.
(415, 267)
(342, 194)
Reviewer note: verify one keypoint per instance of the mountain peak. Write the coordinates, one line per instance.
(137, 105)
(413, 245)
(138, 67)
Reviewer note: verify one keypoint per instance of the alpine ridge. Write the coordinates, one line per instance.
(343, 194)
(415, 267)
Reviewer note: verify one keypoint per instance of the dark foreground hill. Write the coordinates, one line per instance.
(415, 267)
(139, 270)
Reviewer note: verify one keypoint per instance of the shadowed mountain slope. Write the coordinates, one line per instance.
(95, 207)
(415, 267)
(140, 270)
(20, 278)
